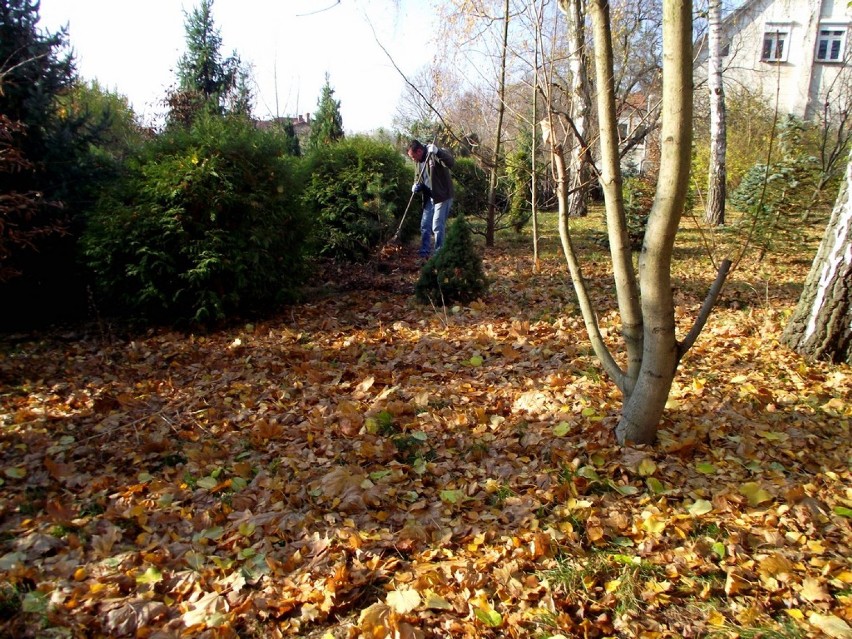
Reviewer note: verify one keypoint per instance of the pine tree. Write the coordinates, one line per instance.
(327, 126)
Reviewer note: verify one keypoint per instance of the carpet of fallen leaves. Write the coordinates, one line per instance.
(363, 466)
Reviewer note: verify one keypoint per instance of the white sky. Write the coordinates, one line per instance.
(132, 47)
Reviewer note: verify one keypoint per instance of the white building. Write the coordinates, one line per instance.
(795, 50)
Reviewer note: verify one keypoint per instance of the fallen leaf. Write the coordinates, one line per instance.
(831, 625)
(403, 601)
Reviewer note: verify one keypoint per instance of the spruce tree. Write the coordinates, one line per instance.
(453, 274)
(47, 170)
(327, 126)
(206, 80)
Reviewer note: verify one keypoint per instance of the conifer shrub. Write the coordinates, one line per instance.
(777, 199)
(453, 274)
(638, 200)
(204, 223)
(357, 190)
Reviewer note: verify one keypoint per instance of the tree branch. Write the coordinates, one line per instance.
(709, 302)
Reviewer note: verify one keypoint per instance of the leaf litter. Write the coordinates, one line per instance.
(363, 466)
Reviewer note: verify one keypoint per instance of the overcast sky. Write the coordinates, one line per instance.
(132, 47)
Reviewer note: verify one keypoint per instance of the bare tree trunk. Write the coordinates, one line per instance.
(661, 353)
(501, 109)
(534, 152)
(821, 325)
(627, 288)
(716, 190)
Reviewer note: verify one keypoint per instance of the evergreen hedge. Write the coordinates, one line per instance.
(205, 223)
(357, 191)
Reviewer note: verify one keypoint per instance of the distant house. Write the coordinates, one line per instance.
(797, 50)
(301, 125)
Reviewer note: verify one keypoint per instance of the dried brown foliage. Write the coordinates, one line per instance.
(364, 466)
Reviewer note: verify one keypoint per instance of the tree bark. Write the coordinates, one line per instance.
(660, 353)
(821, 325)
(581, 107)
(717, 188)
(501, 109)
(627, 288)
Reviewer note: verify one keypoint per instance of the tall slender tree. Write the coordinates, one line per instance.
(716, 189)
(327, 124)
(496, 160)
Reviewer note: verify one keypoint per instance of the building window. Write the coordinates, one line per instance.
(775, 45)
(830, 45)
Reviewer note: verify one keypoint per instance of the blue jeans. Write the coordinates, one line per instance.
(433, 223)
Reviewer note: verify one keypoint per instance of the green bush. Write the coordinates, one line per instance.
(204, 223)
(453, 274)
(470, 182)
(357, 191)
(777, 198)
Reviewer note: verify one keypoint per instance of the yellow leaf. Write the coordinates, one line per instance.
(653, 525)
(436, 602)
(773, 436)
(612, 586)
(833, 626)
(816, 546)
(594, 533)
(374, 620)
(845, 576)
(490, 617)
(16, 472)
(647, 467)
(150, 576)
(813, 590)
(700, 507)
(716, 618)
(795, 613)
(755, 494)
(403, 601)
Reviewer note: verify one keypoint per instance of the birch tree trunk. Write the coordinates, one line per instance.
(821, 325)
(716, 189)
(581, 107)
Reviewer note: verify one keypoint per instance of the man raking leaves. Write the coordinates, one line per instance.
(435, 182)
